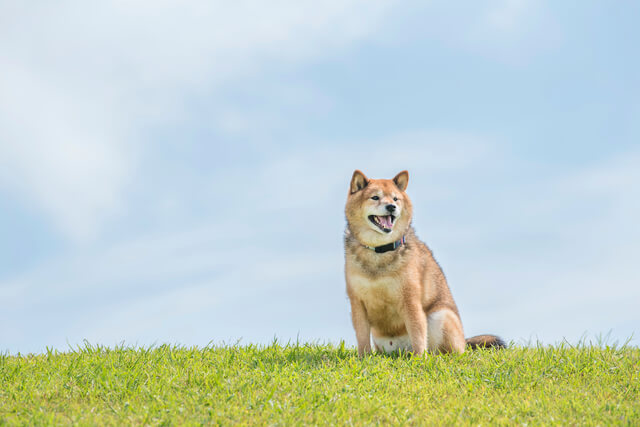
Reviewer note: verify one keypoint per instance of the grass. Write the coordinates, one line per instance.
(321, 384)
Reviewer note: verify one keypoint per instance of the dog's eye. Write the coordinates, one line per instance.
(375, 198)
(395, 199)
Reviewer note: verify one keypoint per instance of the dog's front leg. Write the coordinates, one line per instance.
(361, 326)
(416, 324)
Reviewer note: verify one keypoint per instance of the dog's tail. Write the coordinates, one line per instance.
(485, 341)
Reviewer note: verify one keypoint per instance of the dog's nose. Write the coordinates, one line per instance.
(391, 208)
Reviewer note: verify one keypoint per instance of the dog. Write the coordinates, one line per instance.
(397, 290)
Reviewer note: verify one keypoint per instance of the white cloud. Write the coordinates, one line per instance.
(53, 155)
(574, 271)
(513, 32)
(508, 16)
(83, 84)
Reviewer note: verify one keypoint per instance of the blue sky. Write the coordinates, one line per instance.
(177, 171)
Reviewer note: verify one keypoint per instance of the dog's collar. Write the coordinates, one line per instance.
(388, 247)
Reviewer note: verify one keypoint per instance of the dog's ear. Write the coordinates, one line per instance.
(358, 181)
(402, 180)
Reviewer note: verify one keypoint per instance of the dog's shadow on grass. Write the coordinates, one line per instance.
(314, 356)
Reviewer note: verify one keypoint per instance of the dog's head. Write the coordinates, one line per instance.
(378, 210)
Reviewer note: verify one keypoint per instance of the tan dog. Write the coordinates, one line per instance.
(397, 290)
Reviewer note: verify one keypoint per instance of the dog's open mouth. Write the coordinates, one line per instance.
(384, 223)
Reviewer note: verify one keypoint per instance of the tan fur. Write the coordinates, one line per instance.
(400, 292)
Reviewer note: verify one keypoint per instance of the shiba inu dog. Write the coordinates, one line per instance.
(397, 290)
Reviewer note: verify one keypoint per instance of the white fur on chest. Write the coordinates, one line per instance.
(365, 287)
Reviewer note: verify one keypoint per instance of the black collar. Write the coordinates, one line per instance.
(388, 247)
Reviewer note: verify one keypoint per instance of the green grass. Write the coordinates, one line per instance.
(321, 384)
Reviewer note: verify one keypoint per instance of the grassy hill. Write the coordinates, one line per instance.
(320, 384)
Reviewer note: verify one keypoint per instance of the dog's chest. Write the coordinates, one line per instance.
(382, 298)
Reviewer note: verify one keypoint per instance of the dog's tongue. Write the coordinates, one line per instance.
(385, 221)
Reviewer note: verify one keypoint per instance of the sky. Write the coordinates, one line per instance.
(176, 172)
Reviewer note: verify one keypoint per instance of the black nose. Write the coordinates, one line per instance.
(391, 208)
